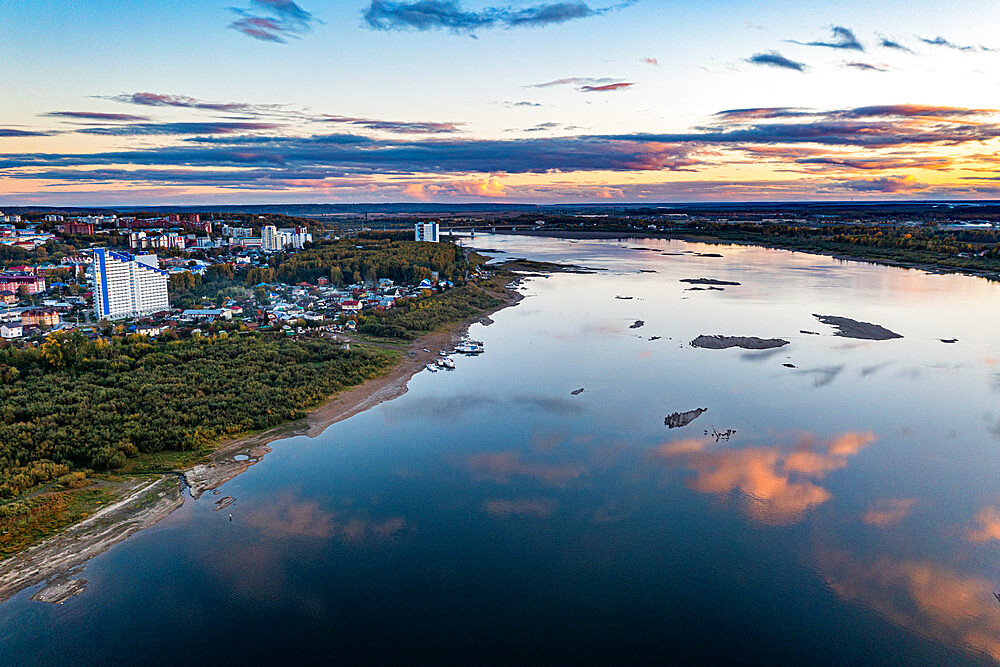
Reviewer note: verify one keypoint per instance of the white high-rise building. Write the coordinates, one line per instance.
(127, 285)
(294, 236)
(426, 232)
(270, 240)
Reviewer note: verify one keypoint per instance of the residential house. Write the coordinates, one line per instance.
(8, 331)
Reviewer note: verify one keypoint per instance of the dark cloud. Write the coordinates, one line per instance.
(909, 111)
(9, 132)
(876, 111)
(876, 163)
(182, 101)
(763, 112)
(400, 127)
(884, 184)
(543, 127)
(801, 138)
(887, 43)
(521, 104)
(362, 155)
(96, 115)
(842, 38)
(775, 59)
(866, 67)
(449, 15)
(941, 41)
(154, 129)
(281, 19)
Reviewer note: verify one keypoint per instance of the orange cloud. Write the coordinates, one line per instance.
(989, 526)
(486, 187)
(922, 597)
(888, 511)
(535, 508)
(503, 466)
(778, 485)
(288, 516)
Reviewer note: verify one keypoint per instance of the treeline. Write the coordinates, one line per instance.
(370, 258)
(74, 403)
(410, 318)
(915, 244)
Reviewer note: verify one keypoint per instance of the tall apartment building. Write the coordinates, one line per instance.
(295, 236)
(426, 232)
(269, 239)
(127, 285)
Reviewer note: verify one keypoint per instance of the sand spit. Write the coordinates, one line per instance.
(849, 328)
(708, 281)
(682, 419)
(57, 593)
(745, 342)
(55, 560)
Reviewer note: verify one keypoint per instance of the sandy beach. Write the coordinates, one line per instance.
(150, 499)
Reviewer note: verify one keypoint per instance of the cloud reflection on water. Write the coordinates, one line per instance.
(888, 511)
(778, 484)
(923, 597)
(989, 526)
(504, 466)
(288, 517)
(533, 508)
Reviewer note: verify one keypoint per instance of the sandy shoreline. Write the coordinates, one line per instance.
(150, 500)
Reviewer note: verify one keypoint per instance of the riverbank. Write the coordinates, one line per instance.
(695, 237)
(145, 500)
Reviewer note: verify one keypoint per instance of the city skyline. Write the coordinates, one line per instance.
(453, 102)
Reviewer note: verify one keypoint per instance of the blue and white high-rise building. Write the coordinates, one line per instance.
(426, 231)
(127, 285)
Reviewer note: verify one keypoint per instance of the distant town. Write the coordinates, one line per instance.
(124, 285)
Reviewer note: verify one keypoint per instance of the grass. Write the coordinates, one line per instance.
(164, 461)
(29, 521)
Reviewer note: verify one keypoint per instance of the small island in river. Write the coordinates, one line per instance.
(745, 342)
(849, 328)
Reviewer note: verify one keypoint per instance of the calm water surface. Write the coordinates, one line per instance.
(489, 515)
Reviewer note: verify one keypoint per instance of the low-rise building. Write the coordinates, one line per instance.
(13, 281)
(40, 317)
(9, 331)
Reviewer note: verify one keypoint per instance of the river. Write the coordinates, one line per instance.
(837, 502)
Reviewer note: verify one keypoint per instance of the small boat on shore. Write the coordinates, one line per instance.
(470, 347)
(432, 368)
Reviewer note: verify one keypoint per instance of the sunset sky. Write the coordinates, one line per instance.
(254, 101)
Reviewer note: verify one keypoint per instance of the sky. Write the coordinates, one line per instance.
(461, 101)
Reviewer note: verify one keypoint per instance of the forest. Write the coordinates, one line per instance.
(73, 403)
(412, 317)
(369, 258)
